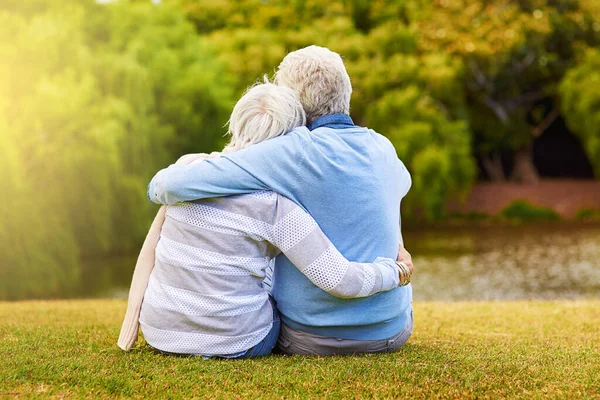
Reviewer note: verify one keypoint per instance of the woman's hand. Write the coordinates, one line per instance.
(405, 266)
(405, 257)
(196, 157)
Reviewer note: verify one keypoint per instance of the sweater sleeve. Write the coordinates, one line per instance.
(271, 165)
(143, 269)
(299, 237)
(139, 282)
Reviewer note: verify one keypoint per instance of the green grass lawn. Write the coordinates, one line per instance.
(458, 350)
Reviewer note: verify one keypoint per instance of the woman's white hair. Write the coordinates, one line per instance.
(319, 78)
(264, 111)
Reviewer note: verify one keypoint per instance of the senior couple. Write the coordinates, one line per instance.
(288, 238)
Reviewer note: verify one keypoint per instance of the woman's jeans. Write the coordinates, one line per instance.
(266, 346)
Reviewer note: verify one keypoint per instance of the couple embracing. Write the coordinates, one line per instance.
(289, 238)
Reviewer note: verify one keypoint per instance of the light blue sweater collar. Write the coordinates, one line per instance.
(333, 121)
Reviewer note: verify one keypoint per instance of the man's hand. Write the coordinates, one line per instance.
(404, 256)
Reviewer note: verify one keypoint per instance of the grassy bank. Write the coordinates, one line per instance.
(459, 350)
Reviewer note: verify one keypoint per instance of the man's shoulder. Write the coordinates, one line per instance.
(281, 146)
(380, 138)
(360, 130)
(300, 133)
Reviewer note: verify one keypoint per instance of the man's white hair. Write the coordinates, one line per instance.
(319, 78)
(264, 111)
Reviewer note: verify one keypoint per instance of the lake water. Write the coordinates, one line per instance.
(549, 261)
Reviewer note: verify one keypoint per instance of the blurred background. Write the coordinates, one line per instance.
(494, 106)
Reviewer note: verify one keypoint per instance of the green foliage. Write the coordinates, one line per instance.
(34, 261)
(588, 214)
(413, 111)
(581, 101)
(425, 73)
(414, 99)
(95, 99)
(522, 210)
(514, 53)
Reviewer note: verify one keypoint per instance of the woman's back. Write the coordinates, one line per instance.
(205, 293)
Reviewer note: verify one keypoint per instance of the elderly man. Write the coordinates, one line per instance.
(351, 181)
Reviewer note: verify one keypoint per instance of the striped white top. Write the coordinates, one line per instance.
(205, 295)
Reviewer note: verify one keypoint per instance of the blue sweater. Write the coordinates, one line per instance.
(351, 181)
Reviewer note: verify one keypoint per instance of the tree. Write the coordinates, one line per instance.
(514, 52)
(580, 91)
(95, 98)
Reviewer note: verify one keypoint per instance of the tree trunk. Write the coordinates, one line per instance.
(492, 164)
(523, 169)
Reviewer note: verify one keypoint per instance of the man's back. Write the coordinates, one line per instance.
(350, 180)
(353, 184)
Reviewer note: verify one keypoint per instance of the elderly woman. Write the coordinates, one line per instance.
(205, 294)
